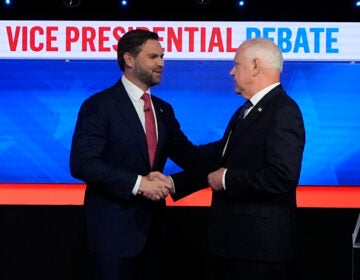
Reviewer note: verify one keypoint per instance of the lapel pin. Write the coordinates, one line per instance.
(259, 109)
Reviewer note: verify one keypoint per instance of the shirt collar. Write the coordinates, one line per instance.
(259, 95)
(133, 91)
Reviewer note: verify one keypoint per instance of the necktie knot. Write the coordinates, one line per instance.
(146, 96)
(247, 104)
(147, 102)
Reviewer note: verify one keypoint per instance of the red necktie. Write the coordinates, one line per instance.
(150, 128)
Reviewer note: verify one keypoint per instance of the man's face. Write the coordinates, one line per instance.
(149, 63)
(242, 72)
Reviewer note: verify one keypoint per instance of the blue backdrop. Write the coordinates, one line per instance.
(39, 101)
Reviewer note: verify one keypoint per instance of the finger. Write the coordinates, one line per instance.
(155, 175)
(165, 192)
(169, 188)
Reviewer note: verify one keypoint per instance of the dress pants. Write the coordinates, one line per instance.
(235, 269)
(150, 264)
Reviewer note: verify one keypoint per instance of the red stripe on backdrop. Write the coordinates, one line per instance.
(73, 194)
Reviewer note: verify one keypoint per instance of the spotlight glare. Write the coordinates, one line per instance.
(357, 4)
(8, 2)
(123, 3)
(241, 3)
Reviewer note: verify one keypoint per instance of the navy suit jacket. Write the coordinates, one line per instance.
(254, 218)
(108, 152)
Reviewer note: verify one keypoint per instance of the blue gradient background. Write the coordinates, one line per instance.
(39, 101)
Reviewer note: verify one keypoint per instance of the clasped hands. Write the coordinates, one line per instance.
(156, 185)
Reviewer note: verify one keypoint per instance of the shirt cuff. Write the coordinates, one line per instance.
(172, 184)
(135, 189)
(223, 179)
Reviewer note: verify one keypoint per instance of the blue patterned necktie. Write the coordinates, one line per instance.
(240, 115)
(247, 104)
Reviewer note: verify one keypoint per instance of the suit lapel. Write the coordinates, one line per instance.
(160, 127)
(131, 119)
(134, 125)
(253, 115)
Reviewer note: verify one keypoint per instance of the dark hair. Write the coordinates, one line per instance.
(132, 42)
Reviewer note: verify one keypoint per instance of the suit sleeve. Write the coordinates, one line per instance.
(89, 159)
(194, 178)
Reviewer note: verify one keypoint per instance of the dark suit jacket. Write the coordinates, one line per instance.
(108, 151)
(254, 218)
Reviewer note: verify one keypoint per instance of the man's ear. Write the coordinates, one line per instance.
(129, 60)
(256, 66)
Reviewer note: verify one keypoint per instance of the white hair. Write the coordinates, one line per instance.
(266, 50)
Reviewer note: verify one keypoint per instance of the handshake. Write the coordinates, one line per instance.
(156, 186)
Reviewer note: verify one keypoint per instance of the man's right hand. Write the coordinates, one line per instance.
(155, 187)
(167, 179)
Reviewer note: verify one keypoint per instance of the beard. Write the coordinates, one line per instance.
(150, 78)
